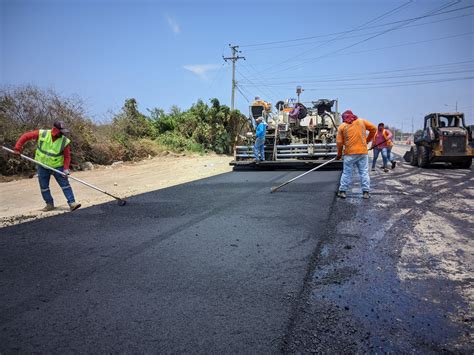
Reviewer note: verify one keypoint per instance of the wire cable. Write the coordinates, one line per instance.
(367, 39)
(374, 26)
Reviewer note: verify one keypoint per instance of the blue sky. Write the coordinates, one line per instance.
(167, 53)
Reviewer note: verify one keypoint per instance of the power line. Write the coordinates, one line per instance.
(243, 88)
(363, 26)
(241, 93)
(401, 45)
(263, 82)
(217, 76)
(252, 83)
(349, 31)
(444, 66)
(392, 84)
(367, 39)
(374, 78)
(359, 35)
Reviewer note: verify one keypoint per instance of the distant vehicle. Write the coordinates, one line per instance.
(297, 135)
(445, 138)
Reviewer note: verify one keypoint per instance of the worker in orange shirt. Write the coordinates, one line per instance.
(352, 140)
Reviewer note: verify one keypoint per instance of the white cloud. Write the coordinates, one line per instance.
(201, 69)
(173, 24)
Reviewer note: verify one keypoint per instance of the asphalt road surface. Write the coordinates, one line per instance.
(213, 266)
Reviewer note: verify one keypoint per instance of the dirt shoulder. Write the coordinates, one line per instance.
(395, 272)
(21, 200)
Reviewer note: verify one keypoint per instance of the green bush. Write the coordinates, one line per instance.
(179, 143)
(142, 148)
(130, 135)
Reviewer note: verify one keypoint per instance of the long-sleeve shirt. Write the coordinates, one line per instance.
(261, 128)
(353, 137)
(35, 135)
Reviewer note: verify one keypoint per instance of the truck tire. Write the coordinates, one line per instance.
(414, 156)
(423, 157)
(465, 164)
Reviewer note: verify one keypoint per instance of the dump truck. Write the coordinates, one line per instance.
(445, 138)
(298, 134)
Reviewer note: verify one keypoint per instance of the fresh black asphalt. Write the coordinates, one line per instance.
(213, 266)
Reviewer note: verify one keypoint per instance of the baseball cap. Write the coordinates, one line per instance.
(61, 126)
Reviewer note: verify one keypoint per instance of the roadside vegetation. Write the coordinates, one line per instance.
(129, 134)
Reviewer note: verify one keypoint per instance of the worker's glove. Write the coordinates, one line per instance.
(16, 154)
(339, 157)
(67, 172)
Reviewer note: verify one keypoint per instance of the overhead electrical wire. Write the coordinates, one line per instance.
(388, 84)
(241, 93)
(348, 31)
(392, 84)
(262, 81)
(368, 38)
(359, 35)
(467, 64)
(373, 78)
(252, 83)
(269, 80)
(362, 26)
(347, 81)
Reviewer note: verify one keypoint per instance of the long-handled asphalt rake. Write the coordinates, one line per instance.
(275, 188)
(121, 202)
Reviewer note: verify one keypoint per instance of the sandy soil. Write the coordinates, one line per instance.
(21, 201)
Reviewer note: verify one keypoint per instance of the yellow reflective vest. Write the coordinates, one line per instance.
(49, 152)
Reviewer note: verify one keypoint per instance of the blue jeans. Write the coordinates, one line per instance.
(386, 156)
(259, 148)
(361, 161)
(44, 177)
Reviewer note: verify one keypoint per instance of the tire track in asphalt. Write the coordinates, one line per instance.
(415, 212)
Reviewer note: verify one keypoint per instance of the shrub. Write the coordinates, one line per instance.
(106, 152)
(142, 148)
(28, 108)
(179, 143)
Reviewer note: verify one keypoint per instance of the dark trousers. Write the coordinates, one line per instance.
(44, 176)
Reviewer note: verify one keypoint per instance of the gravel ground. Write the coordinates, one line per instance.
(396, 272)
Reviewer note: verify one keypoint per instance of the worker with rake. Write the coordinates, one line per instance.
(352, 139)
(53, 149)
(383, 143)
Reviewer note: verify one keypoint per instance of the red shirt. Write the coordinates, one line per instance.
(34, 135)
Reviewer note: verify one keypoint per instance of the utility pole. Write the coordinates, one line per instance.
(235, 57)
(299, 90)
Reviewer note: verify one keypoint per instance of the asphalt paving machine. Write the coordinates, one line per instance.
(298, 134)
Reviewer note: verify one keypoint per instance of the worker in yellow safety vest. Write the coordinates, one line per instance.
(53, 149)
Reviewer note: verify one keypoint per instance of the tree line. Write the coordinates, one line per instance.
(129, 134)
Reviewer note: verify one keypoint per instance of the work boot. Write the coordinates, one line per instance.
(74, 206)
(341, 194)
(373, 168)
(385, 170)
(366, 194)
(394, 164)
(48, 207)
